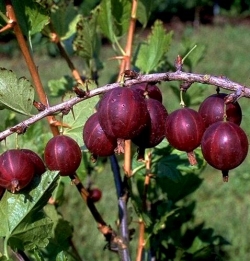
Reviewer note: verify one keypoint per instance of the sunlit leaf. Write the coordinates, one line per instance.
(16, 94)
(31, 16)
(64, 20)
(143, 11)
(151, 53)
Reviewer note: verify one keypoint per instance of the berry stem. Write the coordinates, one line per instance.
(192, 158)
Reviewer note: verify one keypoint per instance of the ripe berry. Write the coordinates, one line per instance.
(184, 130)
(64, 154)
(151, 90)
(39, 166)
(16, 170)
(122, 113)
(224, 145)
(212, 110)
(95, 194)
(154, 132)
(95, 139)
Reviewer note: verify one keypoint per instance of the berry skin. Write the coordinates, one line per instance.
(95, 139)
(184, 129)
(122, 113)
(16, 170)
(64, 154)
(212, 110)
(224, 145)
(95, 194)
(39, 166)
(152, 91)
(154, 132)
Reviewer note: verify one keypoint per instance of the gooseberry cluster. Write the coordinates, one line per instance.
(137, 113)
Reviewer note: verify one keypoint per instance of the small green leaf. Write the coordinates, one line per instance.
(85, 42)
(23, 223)
(105, 20)
(64, 20)
(60, 86)
(143, 11)
(31, 16)
(76, 120)
(151, 53)
(121, 11)
(16, 94)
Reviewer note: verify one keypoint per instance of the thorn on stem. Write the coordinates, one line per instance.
(39, 106)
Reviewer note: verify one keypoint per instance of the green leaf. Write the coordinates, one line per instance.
(151, 53)
(76, 120)
(64, 20)
(16, 94)
(144, 11)
(31, 16)
(114, 17)
(85, 42)
(121, 11)
(23, 223)
(60, 86)
(105, 20)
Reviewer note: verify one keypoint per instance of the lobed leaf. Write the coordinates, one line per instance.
(150, 54)
(15, 94)
(64, 20)
(31, 16)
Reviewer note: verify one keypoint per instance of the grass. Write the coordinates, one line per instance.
(224, 207)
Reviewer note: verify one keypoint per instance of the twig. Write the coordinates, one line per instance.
(221, 82)
(106, 230)
(122, 205)
(141, 241)
(56, 39)
(29, 61)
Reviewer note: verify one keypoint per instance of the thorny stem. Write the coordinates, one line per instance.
(141, 241)
(29, 61)
(106, 230)
(56, 39)
(221, 82)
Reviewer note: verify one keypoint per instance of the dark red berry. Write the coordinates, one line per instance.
(154, 132)
(39, 166)
(64, 154)
(95, 194)
(212, 110)
(224, 145)
(96, 140)
(16, 170)
(147, 89)
(122, 113)
(184, 130)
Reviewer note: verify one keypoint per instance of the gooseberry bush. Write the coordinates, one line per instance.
(155, 154)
